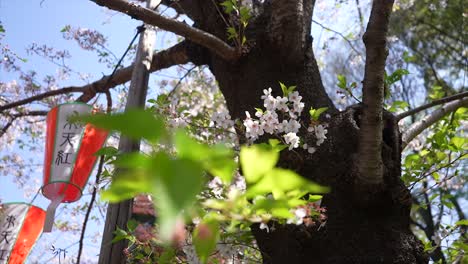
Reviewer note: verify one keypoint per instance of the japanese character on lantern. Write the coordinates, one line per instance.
(20, 226)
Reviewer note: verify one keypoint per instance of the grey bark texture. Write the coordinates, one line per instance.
(279, 49)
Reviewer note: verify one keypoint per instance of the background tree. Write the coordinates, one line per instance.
(369, 206)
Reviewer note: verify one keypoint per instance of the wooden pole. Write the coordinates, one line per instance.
(118, 214)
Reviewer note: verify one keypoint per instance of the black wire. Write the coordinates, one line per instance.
(139, 30)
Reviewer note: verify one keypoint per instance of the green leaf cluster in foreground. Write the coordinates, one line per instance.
(176, 176)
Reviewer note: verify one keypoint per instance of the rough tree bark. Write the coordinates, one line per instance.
(279, 48)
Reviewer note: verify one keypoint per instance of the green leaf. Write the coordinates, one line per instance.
(65, 28)
(314, 198)
(134, 176)
(133, 160)
(167, 255)
(284, 89)
(459, 143)
(463, 222)
(132, 224)
(395, 76)
(256, 160)
(218, 159)
(279, 181)
(275, 145)
(315, 113)
(342, 84)
(291, 89)
(177, 183)
(205, 237)
(134, 123)
(244, 39)
(277, 208)
(437, 92)
(126, 185)
(2, 29)
(232, 33)
(119, 234)
(229, 6)
(398, 105)
(412, 159)
(107, 151)
(244, 15)
(408, 58)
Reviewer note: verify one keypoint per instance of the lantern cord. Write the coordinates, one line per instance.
(35, 196)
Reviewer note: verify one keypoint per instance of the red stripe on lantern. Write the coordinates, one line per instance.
(50, 139)
(91, 142)
(28, 234)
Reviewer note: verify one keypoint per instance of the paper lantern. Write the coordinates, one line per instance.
(69, 156)
(20, 226)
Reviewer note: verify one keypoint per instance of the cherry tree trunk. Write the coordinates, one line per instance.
(279, 49)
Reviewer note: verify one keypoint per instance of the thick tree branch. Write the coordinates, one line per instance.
(163, 59)
(66, 90)
(152, 18)
(370, 138)
(29, 113)
(430, 119)
(174, 55)
(431, 104)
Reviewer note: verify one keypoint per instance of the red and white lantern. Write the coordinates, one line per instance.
(20, 226)
(69, 156)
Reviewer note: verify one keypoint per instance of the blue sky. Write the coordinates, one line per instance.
(29, 21)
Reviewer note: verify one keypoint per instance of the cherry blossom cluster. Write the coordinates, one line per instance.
(88, 39)
(320, 132)
(223, 119)
(309, 215)
(289, 108)
(280, 118)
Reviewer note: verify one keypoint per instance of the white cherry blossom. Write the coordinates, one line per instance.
(292, 140)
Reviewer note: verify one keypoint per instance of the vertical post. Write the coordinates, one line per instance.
(118, 214)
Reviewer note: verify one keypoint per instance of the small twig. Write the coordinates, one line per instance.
(339, 34)
(423, 176)
(88, 212)
(417, 224)
(180, 81)
(7, 126)
(361, 19)
(431, 104)
(221, 14)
